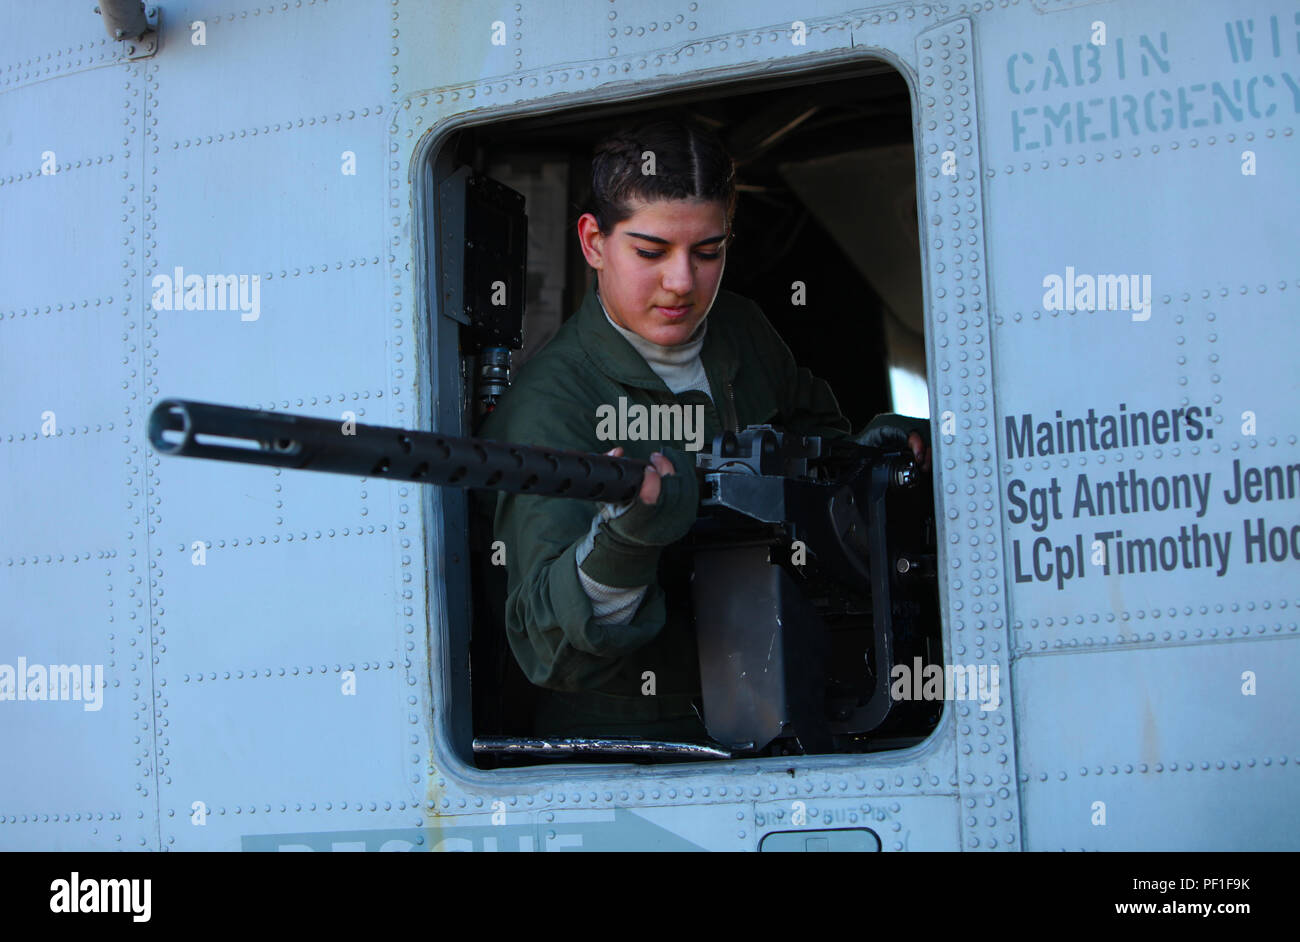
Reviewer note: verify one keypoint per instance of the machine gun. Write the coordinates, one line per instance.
(814, 575)
(814, 562)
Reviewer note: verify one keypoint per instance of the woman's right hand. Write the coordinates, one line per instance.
(668, 506)
(651, 481)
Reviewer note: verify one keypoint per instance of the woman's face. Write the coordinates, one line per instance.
(660, 269)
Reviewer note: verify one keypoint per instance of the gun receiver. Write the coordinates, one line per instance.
(801, 611)
(228, 433)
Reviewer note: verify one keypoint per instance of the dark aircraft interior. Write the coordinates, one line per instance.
(826, 177)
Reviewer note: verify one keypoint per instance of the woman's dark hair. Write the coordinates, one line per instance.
(689, 163)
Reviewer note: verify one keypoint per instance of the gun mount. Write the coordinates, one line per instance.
(802, 607)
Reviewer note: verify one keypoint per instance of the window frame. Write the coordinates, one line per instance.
(441, 381)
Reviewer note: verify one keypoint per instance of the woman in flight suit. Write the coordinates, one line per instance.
(586, 611)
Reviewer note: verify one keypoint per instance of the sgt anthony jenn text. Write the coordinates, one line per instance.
(1189, 544)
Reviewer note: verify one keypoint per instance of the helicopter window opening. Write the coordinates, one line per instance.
(829, 202)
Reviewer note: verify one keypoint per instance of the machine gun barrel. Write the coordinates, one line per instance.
(228, 433)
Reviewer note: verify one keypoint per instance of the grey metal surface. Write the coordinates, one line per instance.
(1101, 662)
(228, 158)
(744, 665)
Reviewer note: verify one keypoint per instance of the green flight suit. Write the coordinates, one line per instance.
(593, 675)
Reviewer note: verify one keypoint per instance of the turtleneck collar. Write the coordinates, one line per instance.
(660, 357)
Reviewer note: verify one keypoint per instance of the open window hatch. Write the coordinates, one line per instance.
(811, 572)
